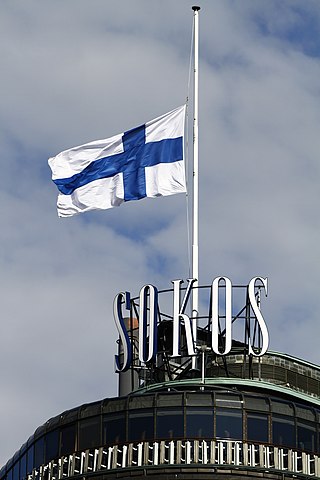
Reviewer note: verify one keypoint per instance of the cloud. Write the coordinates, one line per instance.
(74, 71)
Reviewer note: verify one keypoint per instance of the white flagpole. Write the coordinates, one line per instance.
(195, 241)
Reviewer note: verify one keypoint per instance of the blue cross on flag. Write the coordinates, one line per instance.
(146, 161)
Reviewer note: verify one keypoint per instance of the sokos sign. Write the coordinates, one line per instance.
(148, 314)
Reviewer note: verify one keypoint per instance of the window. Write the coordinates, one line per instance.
(114, 428)
(143, 401)
(283, 408)
(228, 423)
(305, 413)
(89, 433)
(68, 439)
(16, 471)
(257, 403)
(306, 436)
(202, 399)
(141, 424)
(199, 422)
(257, 427)
(30, 459)
(169, 423)
(283, 431)
(39, 452)
(228, 400)
(169, 399)
(23, 466)
(52, 445)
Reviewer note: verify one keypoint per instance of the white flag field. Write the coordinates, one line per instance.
(146, 161)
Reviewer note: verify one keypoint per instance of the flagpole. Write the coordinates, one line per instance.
(195, 240)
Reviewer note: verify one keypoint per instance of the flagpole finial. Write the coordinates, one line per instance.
(195, 8)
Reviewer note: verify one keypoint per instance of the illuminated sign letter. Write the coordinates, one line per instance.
(259, 317)
(215, 315)
(120, 299)
(148, 352)
(178, 315)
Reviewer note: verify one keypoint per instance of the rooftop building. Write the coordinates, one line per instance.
(235, 416)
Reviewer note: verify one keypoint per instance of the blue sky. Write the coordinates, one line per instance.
(76, 71)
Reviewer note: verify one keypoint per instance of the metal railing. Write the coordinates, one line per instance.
(180, 452)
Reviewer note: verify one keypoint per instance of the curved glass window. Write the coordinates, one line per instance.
(305, 413)
(283, 408)
(16, 471)
(114, 428)
(169, 423)
(228, 423)
(68, 439)
(30, 458)
(23, 466)
(39, 452)
(198, 399)
(257, 427)
(169, 399)
(52, 445)
(141, 424)
(283, 431)
(257, 403)
(199, 422)
(89, 433)
(141, 401)
(228, 400)
(306, 436)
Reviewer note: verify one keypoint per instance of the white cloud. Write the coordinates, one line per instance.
(78, 70)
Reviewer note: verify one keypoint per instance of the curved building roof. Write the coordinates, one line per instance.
(272, 401)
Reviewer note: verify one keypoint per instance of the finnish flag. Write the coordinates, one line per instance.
(146, 161)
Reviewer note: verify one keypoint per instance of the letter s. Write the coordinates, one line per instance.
(124, 337)
(258, 315)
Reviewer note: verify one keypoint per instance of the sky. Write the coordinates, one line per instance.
(79, 70)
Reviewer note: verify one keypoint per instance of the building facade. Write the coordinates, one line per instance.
(236, 416)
